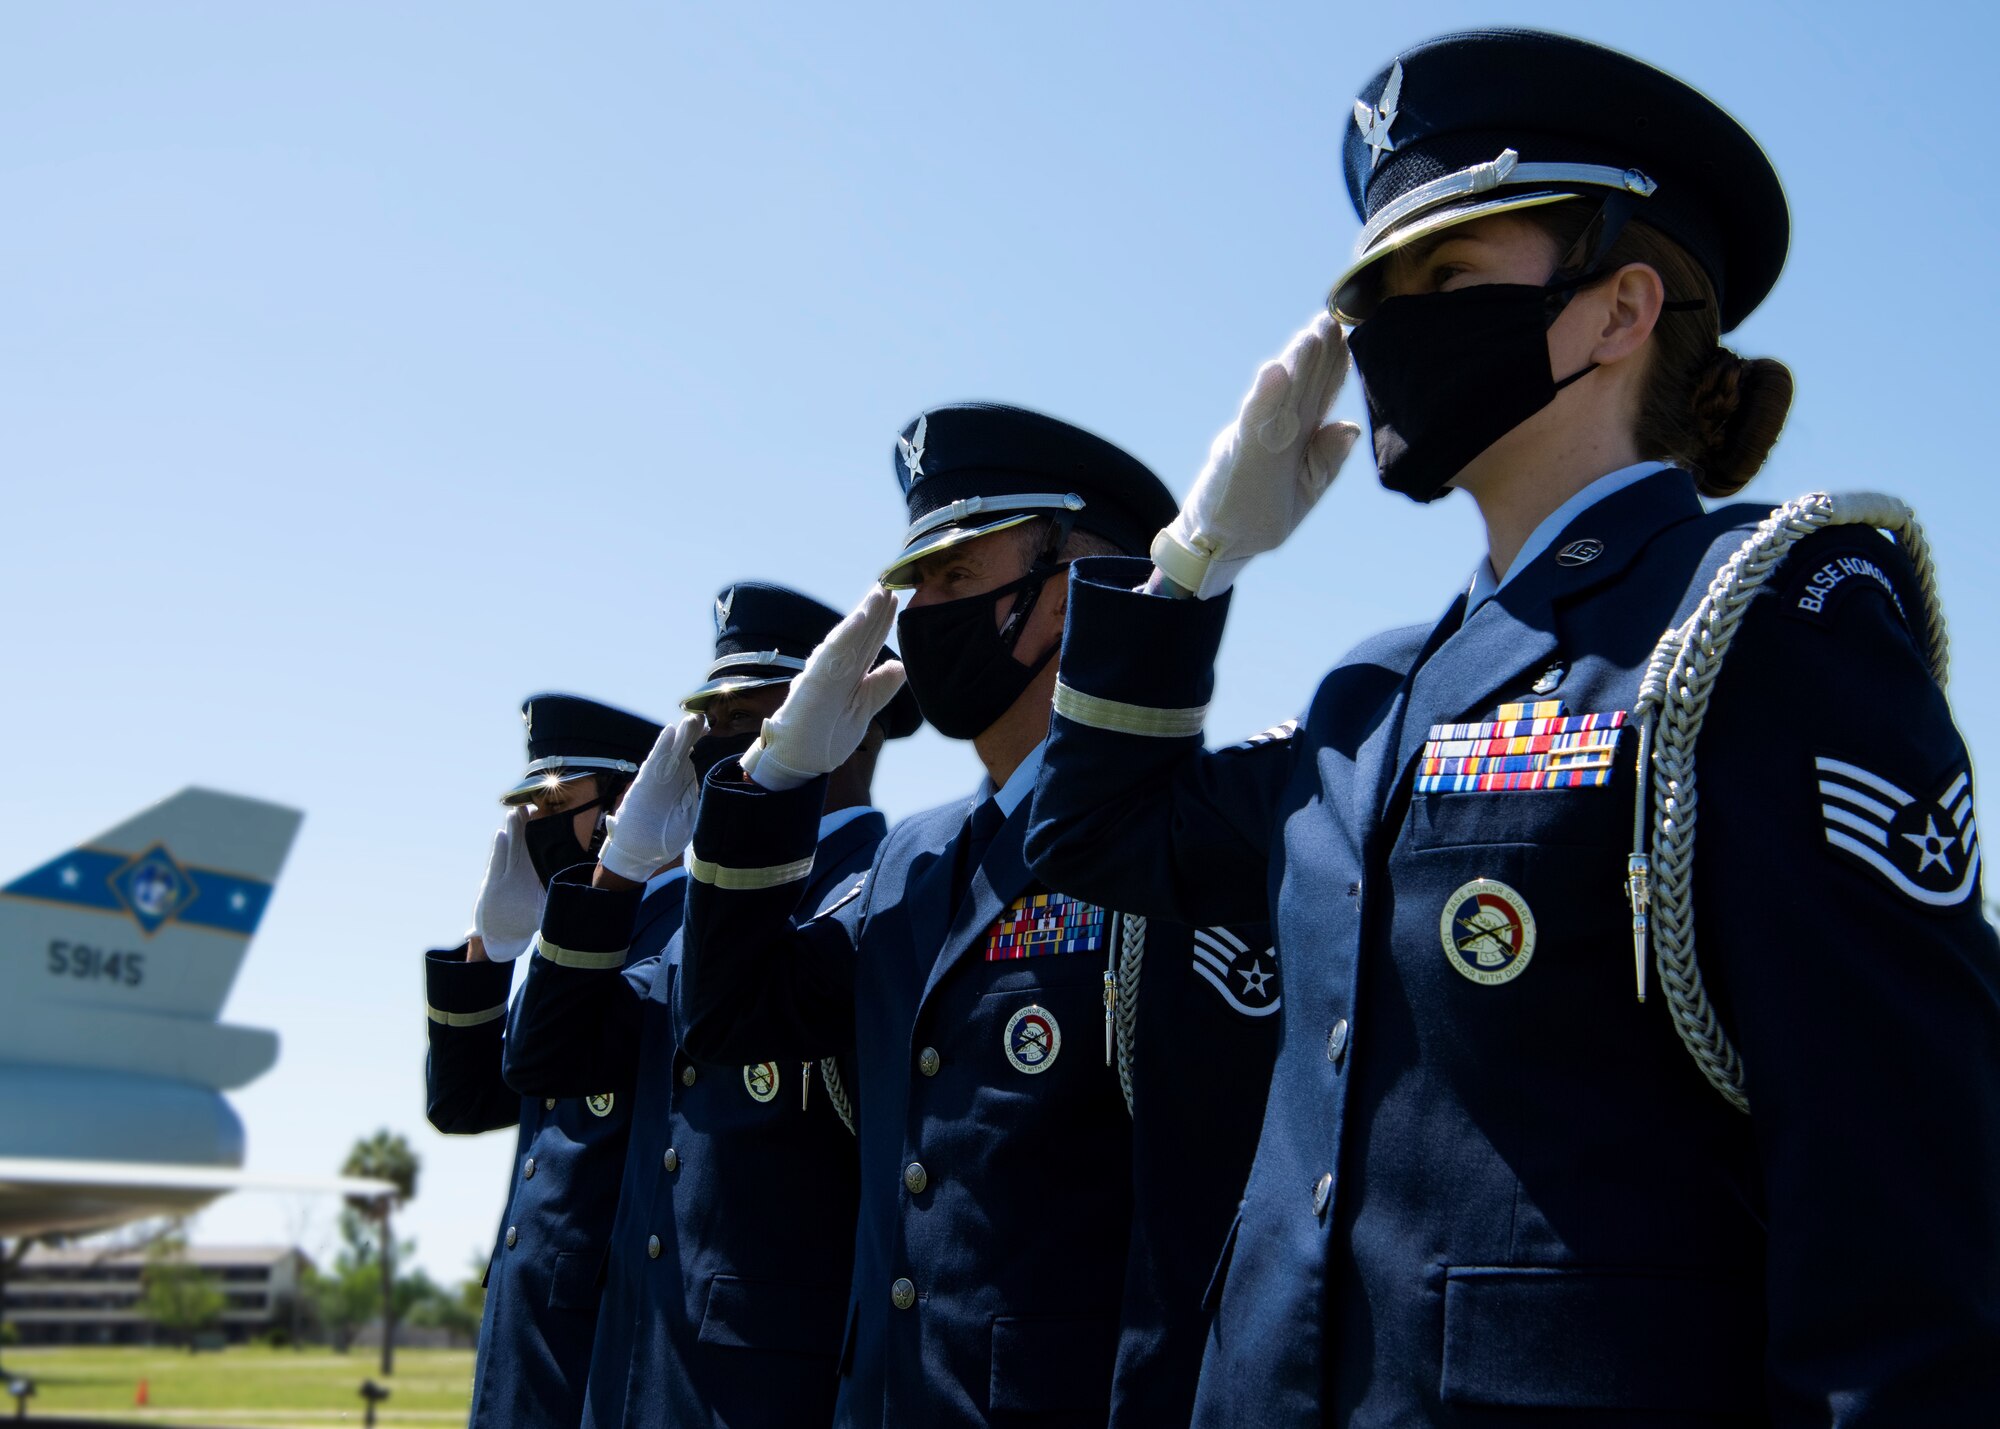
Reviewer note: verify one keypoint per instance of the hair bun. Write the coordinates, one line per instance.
(1739, 407)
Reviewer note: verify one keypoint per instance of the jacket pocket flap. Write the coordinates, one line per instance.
(1602, 1339)
(778, 1315)
(1053, 1365)
(575, 1279)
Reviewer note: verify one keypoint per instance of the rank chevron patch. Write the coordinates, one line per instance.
(1246, 978)
(1927, 849)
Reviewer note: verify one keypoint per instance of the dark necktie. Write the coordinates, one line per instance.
(973, 841)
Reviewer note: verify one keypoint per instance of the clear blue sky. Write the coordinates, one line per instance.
(367, 366)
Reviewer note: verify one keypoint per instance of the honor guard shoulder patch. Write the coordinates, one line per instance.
(1925, 849)
(1247, 978)
(1816, 591)
(1525, 747)
(1042, 924)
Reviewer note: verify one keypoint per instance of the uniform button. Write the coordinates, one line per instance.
(915, 1177)
(687, 1076)
(903, 1294)
(548, 1104)
(671, 1159)
(528, 1171)
(1322, 1193)
(928, 1061)
(1336, 1040)
(652, 1247)
(512, 1236)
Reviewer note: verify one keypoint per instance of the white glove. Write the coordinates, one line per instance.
(825, 715)
(656, 817)
(509, 911)
(1265, 470)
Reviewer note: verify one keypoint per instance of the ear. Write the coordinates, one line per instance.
(1058, 595)
(1632, 300)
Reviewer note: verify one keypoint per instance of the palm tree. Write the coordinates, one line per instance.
(385, 1156)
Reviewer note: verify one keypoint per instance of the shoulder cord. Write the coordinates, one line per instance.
(1673, 701)
(836, 1092)
(1121, 1001)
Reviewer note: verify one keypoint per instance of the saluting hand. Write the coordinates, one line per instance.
(1266, 469)
(509, 909)
(826, 713)
(656, 817)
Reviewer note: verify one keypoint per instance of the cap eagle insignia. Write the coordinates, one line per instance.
(913, 451)
(1377, 119)
(723, 603)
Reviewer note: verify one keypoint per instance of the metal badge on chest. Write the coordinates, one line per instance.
(760, 1079)
(1488, 932)
(1032, 1040)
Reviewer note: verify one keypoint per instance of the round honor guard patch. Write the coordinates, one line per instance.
(600, 1105)
(1032, 1039)
(1488, 932)
(761, 1080)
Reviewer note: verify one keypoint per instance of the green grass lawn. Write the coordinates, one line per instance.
(248, 1387)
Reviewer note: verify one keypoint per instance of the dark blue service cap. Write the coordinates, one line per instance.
(763, 634)
(977, 467)
(570, 737)
(1490, 121)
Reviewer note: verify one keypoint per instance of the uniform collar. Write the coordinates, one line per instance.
(1009, 795)
(840, 818)
(1485, 585)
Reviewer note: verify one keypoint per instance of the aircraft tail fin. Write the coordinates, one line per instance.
(150, 918)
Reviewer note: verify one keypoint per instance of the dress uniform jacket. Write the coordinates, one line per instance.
(543, 1281)
(1477, 1200)
(726, 1289)
(991, 1261)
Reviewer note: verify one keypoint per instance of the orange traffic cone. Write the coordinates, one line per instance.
(144, 1396)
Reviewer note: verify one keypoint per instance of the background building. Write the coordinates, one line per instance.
(81, 1296)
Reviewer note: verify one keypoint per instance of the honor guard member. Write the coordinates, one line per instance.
(1596, 1095)
(542, 1282)
(726, 1288)
(1000, 1274)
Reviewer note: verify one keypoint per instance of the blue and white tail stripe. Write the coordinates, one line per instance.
(152, 887)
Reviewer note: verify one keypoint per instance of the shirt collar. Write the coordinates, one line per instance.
(1485, 585)
(1009, 795)
(840, 818)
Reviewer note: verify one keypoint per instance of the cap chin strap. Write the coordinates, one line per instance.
(1029, 586)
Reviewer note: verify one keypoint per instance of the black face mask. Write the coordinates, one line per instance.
(1449, 374)
(711, 749)
(962, 670)
(552, 844)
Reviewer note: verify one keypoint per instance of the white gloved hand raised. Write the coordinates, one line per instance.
(656, 817)
(1266, 469)
(508, 912)
(825, 715)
